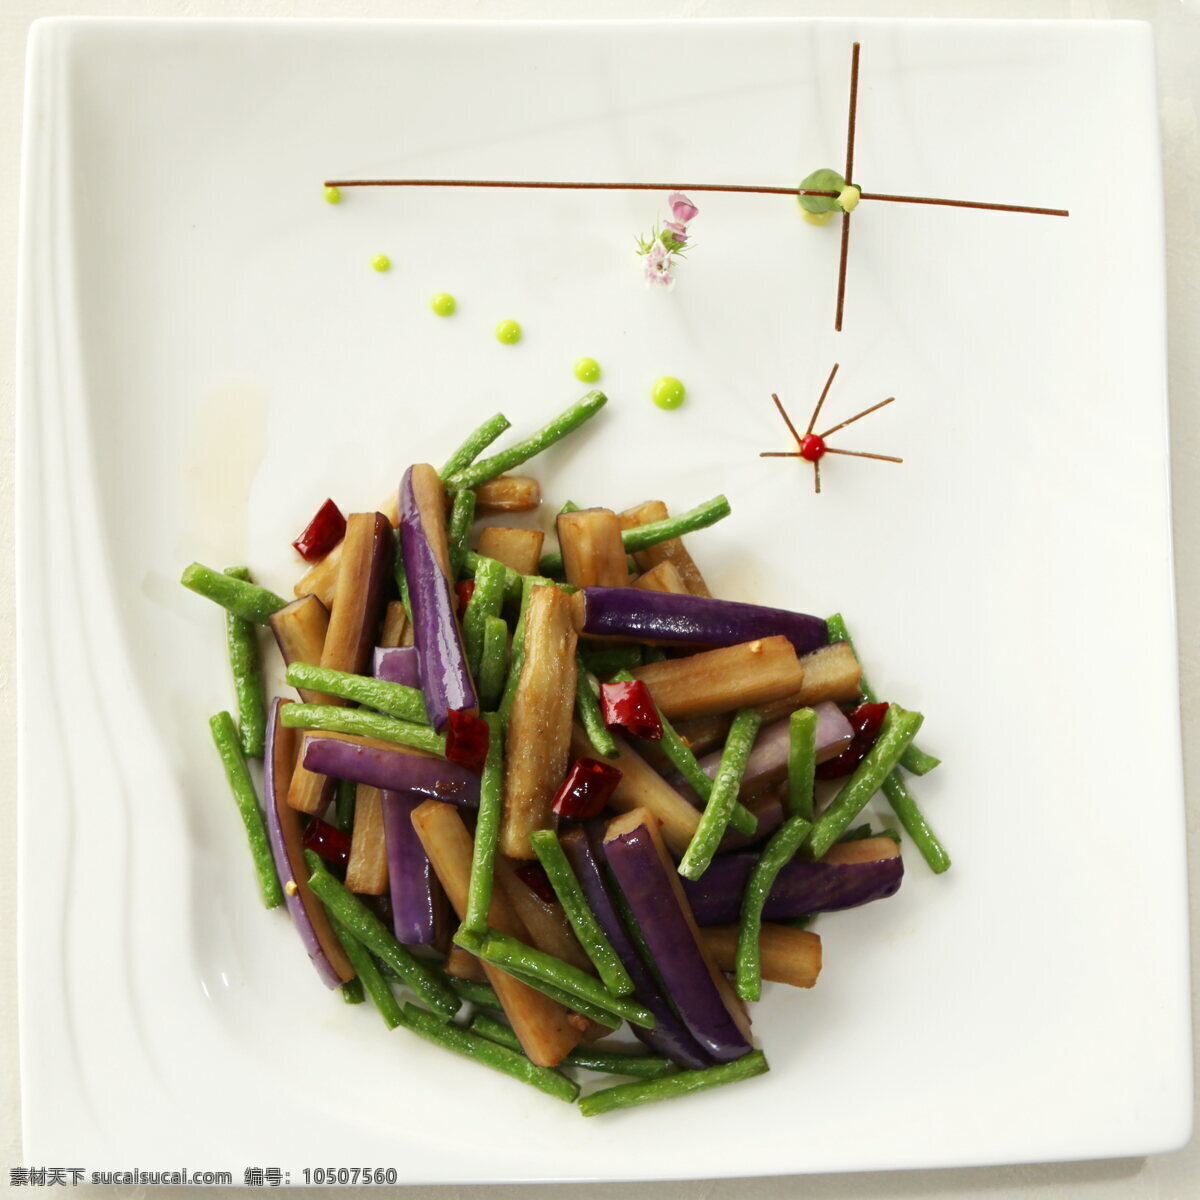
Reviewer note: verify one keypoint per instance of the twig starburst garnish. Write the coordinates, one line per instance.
(812, 447)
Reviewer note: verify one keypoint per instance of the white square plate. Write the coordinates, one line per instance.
(206, 354)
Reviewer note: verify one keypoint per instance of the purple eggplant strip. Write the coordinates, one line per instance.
(668, 1037)
(693, 620)
(393, 770)
(800, 888)
(643, 878)
(418, 906)
(397, 664)
(291, 897)
(445, 678)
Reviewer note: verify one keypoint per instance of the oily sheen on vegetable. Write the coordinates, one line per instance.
(567, 786)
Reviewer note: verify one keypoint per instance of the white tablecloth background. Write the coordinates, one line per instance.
(1177, 23)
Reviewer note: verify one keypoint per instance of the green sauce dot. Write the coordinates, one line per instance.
(587, 370)
(333, 195)
(444, 304)
(508, 332)
(381, 262)
(668, 392)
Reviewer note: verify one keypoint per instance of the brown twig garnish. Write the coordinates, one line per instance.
(851, 128)
(811, 447)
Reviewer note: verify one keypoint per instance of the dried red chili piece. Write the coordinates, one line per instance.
(533, 876)
(330, 842)
(464, 589)
(866, 720)
(467, 740)
(322, 533)
(586, 790)
(630, 707)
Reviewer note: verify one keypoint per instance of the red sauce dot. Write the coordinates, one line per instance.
(812, 446)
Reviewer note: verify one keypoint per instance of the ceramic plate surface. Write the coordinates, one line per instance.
(207, 354)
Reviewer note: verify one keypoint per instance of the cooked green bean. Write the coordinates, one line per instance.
(487, 830)
(507, 952)
(482, 1050)
(245, 600)
(615, 658)
(569, 507)
(642, 537)
(481, 994)
(680, 755)
(608, 1062)
(225, 736)
(478, 441)
(915, 824)
(458, 531)
(352, 991)
(393, 699)
(575, 906)
(682, 1083)
(728, 781)
(493, 661)
(512, 580)
(587, 710)
(776, 855)
(486, 601)
(564, 423)
(802, 761)
(653, 654)
(914, 759)
(246, 663)
(360, 723)
(369, 976)
(899, 728)
(344, 906)
(345, 798)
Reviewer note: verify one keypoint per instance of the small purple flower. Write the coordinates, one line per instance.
(682, 209)
(678, 229)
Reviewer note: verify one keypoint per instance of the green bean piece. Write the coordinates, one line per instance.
(608, 1062)
(899, 729)
(684, 761)
(486, 601)
(583, 921)
(569, 507)
(491, 1054)
(402, 578)
(776, 855)
(512, 955)
(345, 799)
(245, 660)
(458, 529)
(512, 580)
(369, 976)
(493, 661)
(229, 746)
(481, 994)
(479, 440)
(352, 991)
(642, 537)
(915, 824)
(915, 759)
(653, 654)
(564, 423)
(474, 943)
(245, 600)
(487, 831)
(616, 658)
(345, 907)
(516, 660)
(392, 699)
(715, 818)
(360, 723)
(682, 1083)
(587, 709)
(802, 762)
